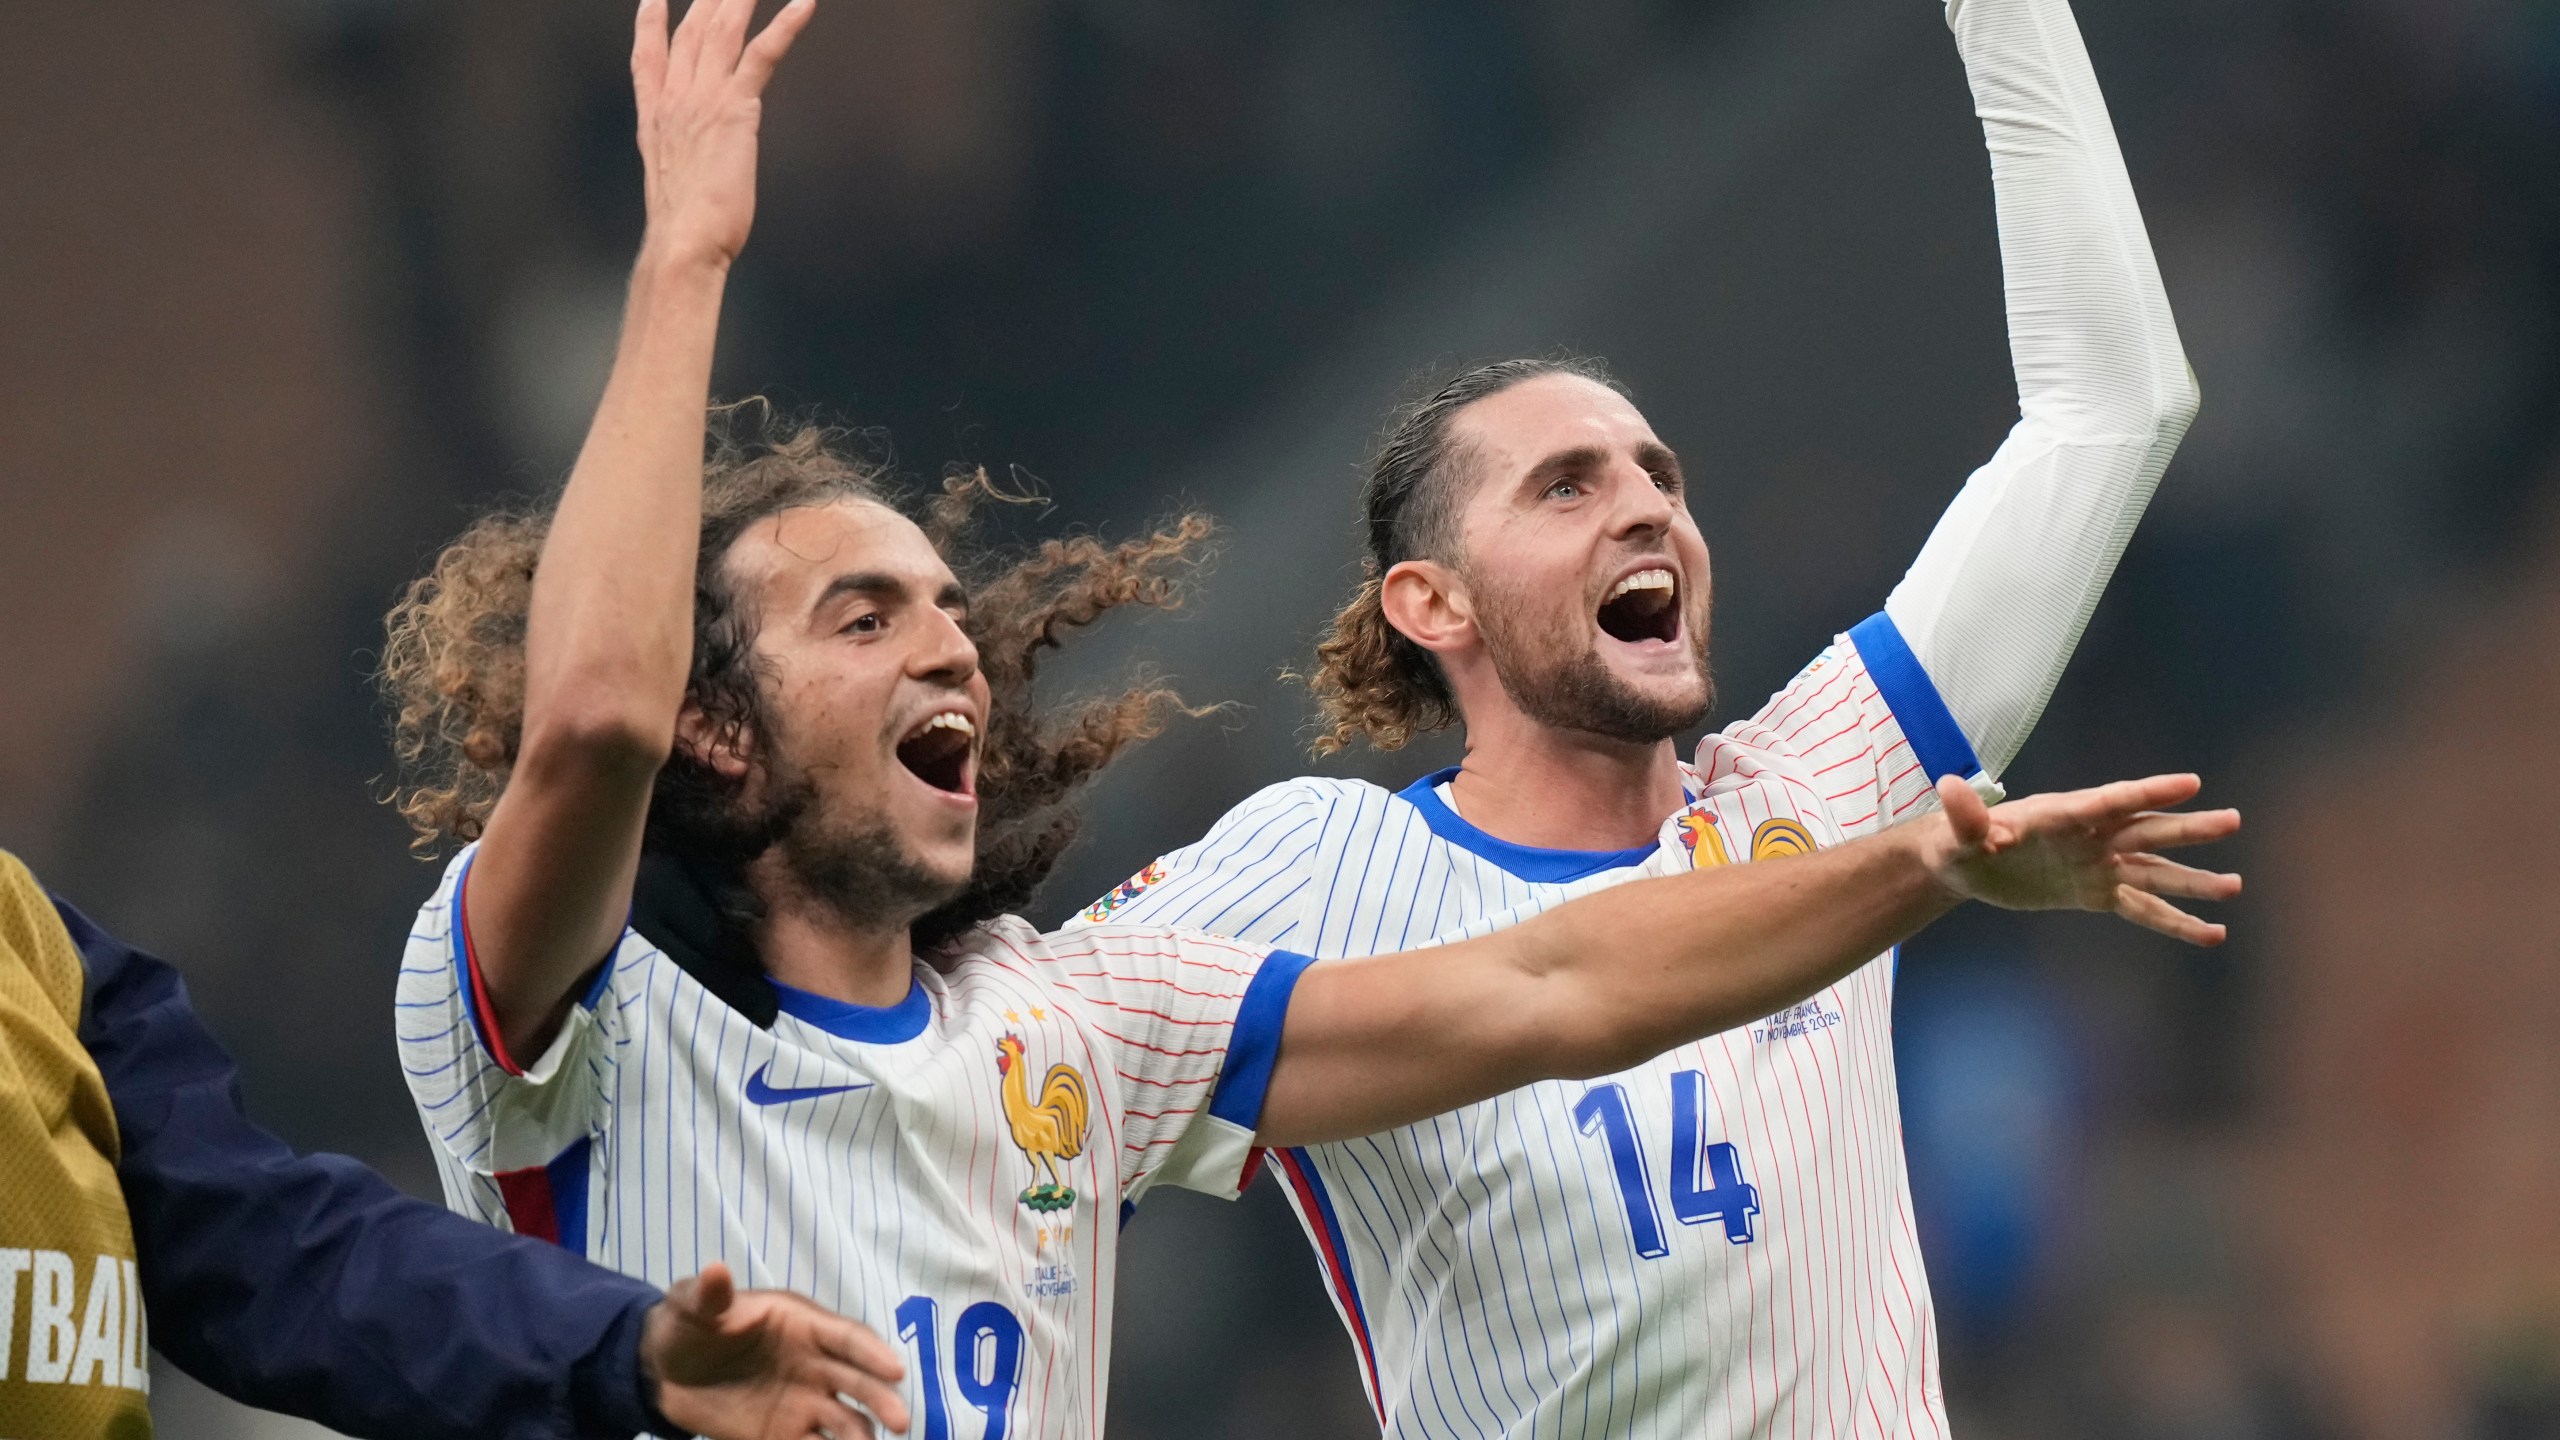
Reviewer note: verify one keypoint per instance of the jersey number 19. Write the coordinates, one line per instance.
(986, 1344)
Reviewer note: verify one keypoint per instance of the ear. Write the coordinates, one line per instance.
(726, 749)
(1429, 605)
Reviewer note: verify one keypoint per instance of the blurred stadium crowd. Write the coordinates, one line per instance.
(292, 284)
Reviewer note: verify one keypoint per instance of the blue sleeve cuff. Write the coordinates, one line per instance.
(1936, 740)
(1255, 1046)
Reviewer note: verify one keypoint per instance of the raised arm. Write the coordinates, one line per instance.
(609, 634)
(1998, 598)
(1614, 979)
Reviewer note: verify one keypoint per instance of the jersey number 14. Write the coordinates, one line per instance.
(1706, 1180)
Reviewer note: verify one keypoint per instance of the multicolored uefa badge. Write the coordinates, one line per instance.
(1124, 892)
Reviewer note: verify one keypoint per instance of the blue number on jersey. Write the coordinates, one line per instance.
(918, 1321)
(987, 1343)
(1716, 1192)
(1604, 1111)
(1726, 1195)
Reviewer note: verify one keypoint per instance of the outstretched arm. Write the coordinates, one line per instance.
(308, 1284)
(1997, 600)
(609, 634)
(1611, 980)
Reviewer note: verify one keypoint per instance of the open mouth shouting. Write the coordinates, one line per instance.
(942, 751)
(1642, 606)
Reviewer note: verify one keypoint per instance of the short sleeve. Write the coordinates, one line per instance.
(491, 1118)
(1864, 729)
(1190, 1024)
(1247, 878)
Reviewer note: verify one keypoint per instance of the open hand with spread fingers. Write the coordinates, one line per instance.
(700, 93)
(2086, 850)
(766, 1365)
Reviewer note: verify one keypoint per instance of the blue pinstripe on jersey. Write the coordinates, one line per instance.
(879, 1161)
(1482, 1260)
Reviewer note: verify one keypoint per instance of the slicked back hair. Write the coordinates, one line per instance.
(1370, 681)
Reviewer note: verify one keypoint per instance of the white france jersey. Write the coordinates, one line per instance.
(950, 1171)
(1716, 1243)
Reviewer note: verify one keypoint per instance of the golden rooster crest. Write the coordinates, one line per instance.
(1049, 1129)
(1706, 847)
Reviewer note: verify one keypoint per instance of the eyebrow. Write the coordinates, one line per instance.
(1653, 455)
(1580, 457)
(880, 585)
(872, 583)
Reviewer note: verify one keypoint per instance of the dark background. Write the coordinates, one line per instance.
(288, 288)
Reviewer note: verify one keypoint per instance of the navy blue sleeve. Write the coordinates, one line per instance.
(310, 1285)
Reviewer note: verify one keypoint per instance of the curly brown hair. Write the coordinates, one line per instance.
(453, 673)
(1372, 682)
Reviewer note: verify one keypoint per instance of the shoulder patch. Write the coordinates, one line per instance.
(1124, 892)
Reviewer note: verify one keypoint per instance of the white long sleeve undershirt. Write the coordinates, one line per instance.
(2000, 594)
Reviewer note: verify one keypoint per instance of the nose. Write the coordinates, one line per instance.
(1642, 509)
(944, 653)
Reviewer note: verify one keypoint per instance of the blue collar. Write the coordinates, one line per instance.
(870, 1024)
(1528, 862)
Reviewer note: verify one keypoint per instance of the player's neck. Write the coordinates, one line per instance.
(809, 947)
(1564, 790)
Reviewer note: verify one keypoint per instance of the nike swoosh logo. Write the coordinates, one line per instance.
(761, 1093)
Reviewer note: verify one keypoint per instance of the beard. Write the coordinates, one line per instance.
(1574, 689)
(849, 860)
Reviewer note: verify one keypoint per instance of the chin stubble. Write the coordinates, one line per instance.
(1578, 691)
